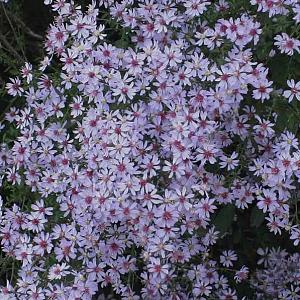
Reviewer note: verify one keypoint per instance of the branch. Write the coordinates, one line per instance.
(27, 29)
(11, 48)
(13, 30)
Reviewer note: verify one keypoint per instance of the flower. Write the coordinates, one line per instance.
(14, 87)
(295, 235)
(227, 258)
(58, 271)
(128, 151)
(157, 269)
(294, 90)
(263, 90)
(241, 274)
(287, 44)
(229, 162)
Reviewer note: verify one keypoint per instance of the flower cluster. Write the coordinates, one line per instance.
(287, 44)
(274, 7)
(279, 278)
(130, 152)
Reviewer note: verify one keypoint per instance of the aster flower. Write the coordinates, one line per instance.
(229, 162)
(157, 269)
(77, 106)
(202, 289)
(174, 168)
(227, 258)
(14, 87)
(205, 208)
(241, 274)
(43, 244)
(263, 90)
(294, 90)
(26, 72)
(287, 44)
(24, 253)
(166, 216)
(160, 246)
(58, 271)
(207, 153)
(295, 235)
(36, 221)
(139, 168)
(275, 224)
(124, 89)
(267, 201)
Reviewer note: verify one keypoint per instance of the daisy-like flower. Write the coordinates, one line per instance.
(58, 271)
(202, 289)
(184, 199)
(14, 87)
(227, 258)
(275, 224)
(167, 216)
(195, 7)
(157, 268)
(264, 127)
(267, 201)
(289, 141)
(26, 72)
(98, 34)
(229, 162)
(77, 106)
(262, 90)
(295, 235)
(207, 153)
(24, 253)
(79, 26)
(124, 88)
(175, 168)
(205, 208)
(287, 44)
(296, 10)
(294, 90)
(36, 221)
(242, 274)
(264, 254)
(44, 244)
(161, 245)
(222, 6)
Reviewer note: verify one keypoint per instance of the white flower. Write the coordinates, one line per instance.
(229, 162)
(294, 90)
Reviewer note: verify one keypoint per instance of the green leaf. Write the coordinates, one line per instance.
(122, 43)
(257, 217)
(224, 218)
(279, 77)
(237, 236)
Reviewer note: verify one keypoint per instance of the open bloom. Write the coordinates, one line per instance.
(157, 268)
(227, 258)
(14, 87)
(294, 90)
(229, 162)
(287, 44)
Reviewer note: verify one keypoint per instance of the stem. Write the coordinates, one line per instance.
(11, 48)
(27, 29)
(13, 30)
